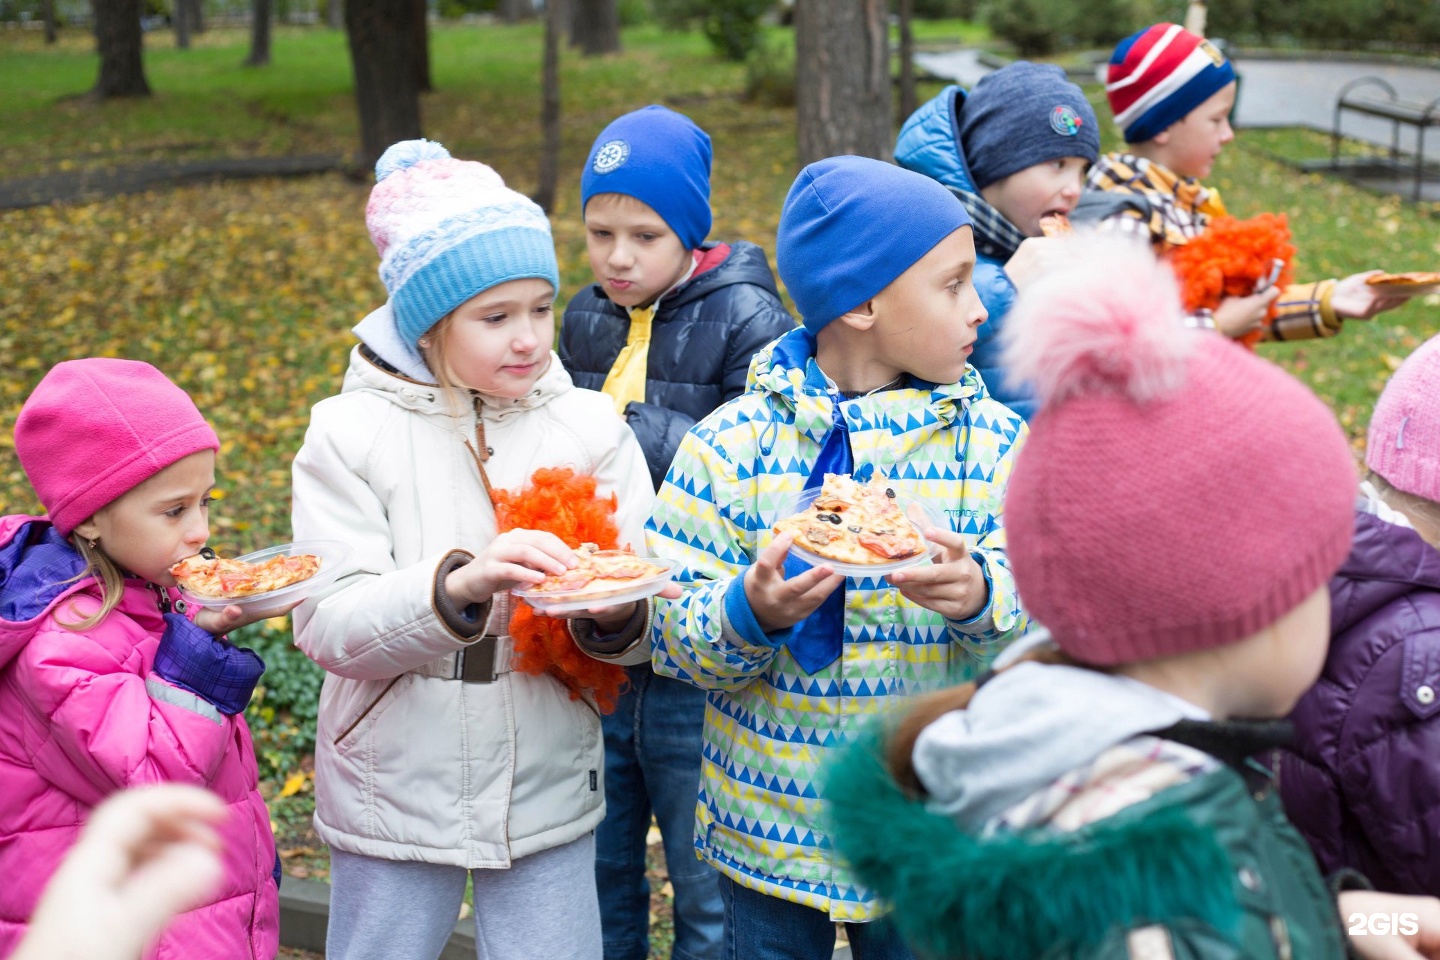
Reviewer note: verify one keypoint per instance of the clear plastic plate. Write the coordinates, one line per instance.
(639, 589)
(332, 554)
(921, 514)
(1405, 289)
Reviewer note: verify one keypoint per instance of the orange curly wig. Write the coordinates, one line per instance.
(1229, 258)
(559, 502)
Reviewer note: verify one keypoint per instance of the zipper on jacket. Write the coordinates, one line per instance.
(366, 712)
(480, 450)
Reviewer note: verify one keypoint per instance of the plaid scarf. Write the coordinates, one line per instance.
(1180, 207)
(995, 236)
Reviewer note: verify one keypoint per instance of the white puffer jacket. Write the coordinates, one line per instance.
(415, 767)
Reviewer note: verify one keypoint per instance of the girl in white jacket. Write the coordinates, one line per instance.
(434, 758)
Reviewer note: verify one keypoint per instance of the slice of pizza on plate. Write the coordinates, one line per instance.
(855, 524)
(225, 578)
(598, 571)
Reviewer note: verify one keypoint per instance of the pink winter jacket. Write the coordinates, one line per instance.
(82, 715)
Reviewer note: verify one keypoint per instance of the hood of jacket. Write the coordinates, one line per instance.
(1386, 561)
(929, 142)
(786, 369)
(38, 568)
(364, 374)
(1025, 728)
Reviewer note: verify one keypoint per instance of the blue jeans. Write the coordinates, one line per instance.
(652, 763)
(761, 927)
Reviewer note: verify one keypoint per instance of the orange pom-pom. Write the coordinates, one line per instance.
(1230, 258)
(559, 502)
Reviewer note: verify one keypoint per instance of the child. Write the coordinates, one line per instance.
(876, 384)
(1172, 93)
(1098, 800)
(436, 760)
(1362, 783)
(106, 680)
(1014, 150)
(668, 331)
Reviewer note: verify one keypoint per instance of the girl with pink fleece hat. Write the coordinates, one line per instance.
(106, 680)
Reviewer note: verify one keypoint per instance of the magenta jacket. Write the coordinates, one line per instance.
(83, 715)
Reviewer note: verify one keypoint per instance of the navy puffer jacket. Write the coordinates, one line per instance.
(701, 343)
(1363, 780)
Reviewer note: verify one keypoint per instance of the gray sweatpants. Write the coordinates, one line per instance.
(543, 908)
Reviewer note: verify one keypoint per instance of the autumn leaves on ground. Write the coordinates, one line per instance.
(244, 292)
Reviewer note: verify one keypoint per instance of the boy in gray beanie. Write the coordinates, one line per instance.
(1014, 149)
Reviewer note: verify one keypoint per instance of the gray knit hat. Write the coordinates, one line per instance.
(1022, 115)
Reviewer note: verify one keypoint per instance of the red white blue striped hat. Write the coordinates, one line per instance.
(1159, 75)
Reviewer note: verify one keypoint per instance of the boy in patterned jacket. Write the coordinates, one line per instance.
(876, 384)
(1172, 93)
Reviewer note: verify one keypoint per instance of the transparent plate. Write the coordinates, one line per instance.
(332, 554)
(1405, 289)
(638, 589)
(920, 512)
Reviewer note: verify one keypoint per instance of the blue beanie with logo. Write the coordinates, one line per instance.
(660, 158)
(850, 226)
(1022, 115)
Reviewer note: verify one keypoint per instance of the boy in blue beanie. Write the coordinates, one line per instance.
(1014, 150)
(668, 331)
(876, 384)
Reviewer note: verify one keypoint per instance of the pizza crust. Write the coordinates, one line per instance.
(1056, 225)
(227, 579)
(1415, 278)
(856, 524)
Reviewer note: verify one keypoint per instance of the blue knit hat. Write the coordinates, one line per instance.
(448, 229)
(1022, 115)
(660, 158)
(851, 225)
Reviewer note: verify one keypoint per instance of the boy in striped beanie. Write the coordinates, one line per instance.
(1172, 93)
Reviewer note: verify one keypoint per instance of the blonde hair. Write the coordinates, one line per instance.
(103, 569)
(435, 359)
(1410, 504)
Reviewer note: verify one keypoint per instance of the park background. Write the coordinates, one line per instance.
(244, 290)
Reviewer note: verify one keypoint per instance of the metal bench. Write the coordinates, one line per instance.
(1386, 105)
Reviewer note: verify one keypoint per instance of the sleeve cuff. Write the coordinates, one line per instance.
(627, 646)
(467, 623)
(984, 621)
(740, 619)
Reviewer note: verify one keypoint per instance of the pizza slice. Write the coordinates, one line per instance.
(855, 523)
(598, 572)
(231, 579)
(1415, 278)
(1056, 225)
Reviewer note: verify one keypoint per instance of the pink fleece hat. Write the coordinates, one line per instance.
(94, 429)
(1404, 445)
(1176, 492)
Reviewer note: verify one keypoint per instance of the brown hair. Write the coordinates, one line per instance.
(103, 569)
(900, 746)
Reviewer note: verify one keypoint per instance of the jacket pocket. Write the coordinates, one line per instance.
(369, 708)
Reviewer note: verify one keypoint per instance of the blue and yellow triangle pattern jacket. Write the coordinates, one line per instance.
(768, 724)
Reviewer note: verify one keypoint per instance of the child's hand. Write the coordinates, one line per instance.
(145, 855)
(1354, 299)
(1237, 316)
(1424, 942)
(779, 603)
(611, 619)
(222, 621)
(1035, 257)
(516, 558)
(953, 586)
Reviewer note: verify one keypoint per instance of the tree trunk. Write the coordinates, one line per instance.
(47, 10)
(382, 56)
(421, 35)
(121, 45)
(595, 27)
(196, 10)
(908, 101)
(180, 15)
(550, 105)
(334, 14)
(259, 35)
(1195, 17)
(842, 79)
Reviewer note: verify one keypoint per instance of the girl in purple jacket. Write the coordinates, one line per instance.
(106, 680)
(1363, 780)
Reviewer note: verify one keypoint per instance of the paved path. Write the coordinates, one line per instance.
(1273, 93)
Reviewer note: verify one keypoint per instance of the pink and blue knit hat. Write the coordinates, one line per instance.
(1158, 75)
(1404, 445)
(448, 229)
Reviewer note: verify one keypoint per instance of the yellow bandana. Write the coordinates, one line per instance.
(626, 381)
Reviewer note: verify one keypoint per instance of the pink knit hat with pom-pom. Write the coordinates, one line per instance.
(1176, 493)
(1404, 445)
